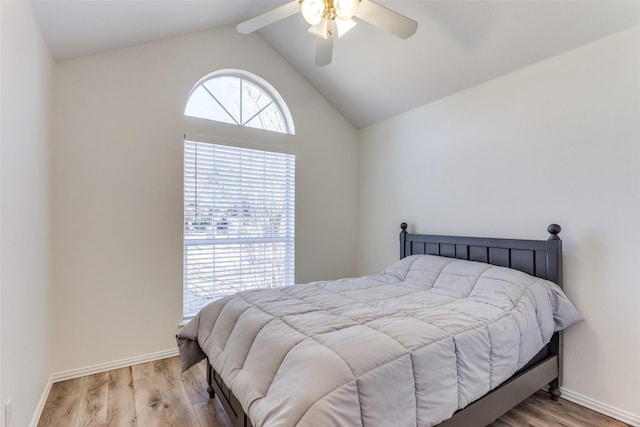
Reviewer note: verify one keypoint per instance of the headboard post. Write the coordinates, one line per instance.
(554, 272)
(403, 240)
(554, 254)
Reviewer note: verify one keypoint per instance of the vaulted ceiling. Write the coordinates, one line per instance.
(374, 75)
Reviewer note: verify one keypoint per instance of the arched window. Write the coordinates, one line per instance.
(240, 98)
(239, 202)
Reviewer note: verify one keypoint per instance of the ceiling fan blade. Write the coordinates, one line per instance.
(269, 17)
(324, 51)
(386, 19)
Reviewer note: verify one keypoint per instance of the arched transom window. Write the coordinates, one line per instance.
(240, 98)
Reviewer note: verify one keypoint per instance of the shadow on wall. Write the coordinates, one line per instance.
(583, 281)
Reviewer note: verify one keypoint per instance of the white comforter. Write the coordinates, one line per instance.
(407, 347)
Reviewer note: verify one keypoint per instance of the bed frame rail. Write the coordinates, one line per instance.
(504, 398)
(229, 402)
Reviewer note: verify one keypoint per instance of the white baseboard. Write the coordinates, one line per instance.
(103, 367)
(41, 402)
(587, 402)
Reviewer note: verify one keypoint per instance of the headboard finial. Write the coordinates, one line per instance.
(554, 230)
(404, 227)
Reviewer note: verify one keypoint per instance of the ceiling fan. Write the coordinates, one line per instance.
(333, 18)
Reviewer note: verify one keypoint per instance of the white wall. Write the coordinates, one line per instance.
(117, 187)
(25, 211)
(555, 142)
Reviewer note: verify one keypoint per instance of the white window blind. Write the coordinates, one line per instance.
(239, 214)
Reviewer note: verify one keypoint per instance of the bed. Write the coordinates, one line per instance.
(399, 348)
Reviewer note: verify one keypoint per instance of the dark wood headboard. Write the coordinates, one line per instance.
(540, 258)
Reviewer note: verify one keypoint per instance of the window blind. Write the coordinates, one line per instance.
(239, 221)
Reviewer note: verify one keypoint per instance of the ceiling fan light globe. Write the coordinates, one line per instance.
(345, 9)
(312, 11)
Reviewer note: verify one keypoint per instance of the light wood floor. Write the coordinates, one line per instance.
(156, 394)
